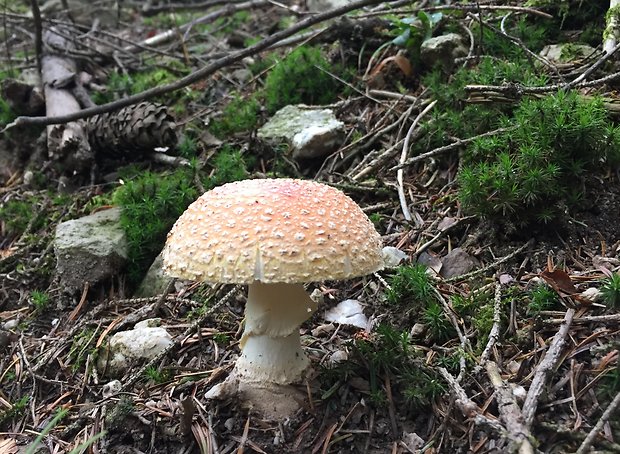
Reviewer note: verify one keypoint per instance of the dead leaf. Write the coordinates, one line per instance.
(559, 281)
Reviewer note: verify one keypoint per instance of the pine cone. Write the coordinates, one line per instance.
(132, 131)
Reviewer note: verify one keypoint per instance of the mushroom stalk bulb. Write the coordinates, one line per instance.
(273, 235)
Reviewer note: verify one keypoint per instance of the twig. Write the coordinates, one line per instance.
(38, 32)
(594, 66)
(497, 319)
(543, 369)
(585, 446)
(197, 75)
(611, 318)
(510, 413)
(456, 144)
(490, 266)
(403, 157)
(173, 346)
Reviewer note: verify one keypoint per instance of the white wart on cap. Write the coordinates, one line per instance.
(272, 231)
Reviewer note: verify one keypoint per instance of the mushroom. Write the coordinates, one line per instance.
(274, 235)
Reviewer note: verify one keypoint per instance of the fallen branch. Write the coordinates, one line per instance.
(195, 76)
(548, 363)
(585, 446)
(509, 412)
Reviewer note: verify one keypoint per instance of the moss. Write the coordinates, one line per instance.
(16, 215)
(151, 203)
(301, 77)
(533, 176)
(240, 115)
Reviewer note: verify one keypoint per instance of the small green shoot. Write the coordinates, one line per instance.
(40, 300)
(611, 290)
(437, 323)
(542, 297)
(155, 375)
(411, 283)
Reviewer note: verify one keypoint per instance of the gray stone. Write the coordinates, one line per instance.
(443, 49)
(311, 132)
(457, 262)
(90, 249)
(155, 281)
(567, 52)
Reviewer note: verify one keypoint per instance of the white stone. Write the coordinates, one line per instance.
(142, 343)
(311, 132)
(392, 256)
(348, 312)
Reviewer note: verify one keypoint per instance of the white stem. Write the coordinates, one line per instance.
(270, 346)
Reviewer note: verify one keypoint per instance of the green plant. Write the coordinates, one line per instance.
(542, 297)
(82, 345)
(436, 321)
(483, 322)
(611, 290)
(151, 203)
(156, 375)
(532, 179)
(239, 115)
(229, 165)
(188, 146)
(39, 300)
(301, 77)
(410, 283)
(15, 410)
(16, 215)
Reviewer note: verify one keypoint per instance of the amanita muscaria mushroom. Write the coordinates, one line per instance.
(274, 235)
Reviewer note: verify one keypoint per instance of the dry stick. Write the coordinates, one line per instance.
(597, 64)
(585, 446)
(454, 145)
(510, 413)
(465, 345)
(196, 325)
(519, 90)
(459, 7)
(543, 369)
(468, 407)
(491, 266)
(497, 319)
(197, 75)
(38, 32)
(612, 318)
(403, 156)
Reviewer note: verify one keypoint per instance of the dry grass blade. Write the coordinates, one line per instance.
(201, 435)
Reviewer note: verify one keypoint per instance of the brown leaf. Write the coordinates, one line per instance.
(560, 281)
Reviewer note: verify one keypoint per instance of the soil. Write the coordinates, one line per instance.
(401, 387)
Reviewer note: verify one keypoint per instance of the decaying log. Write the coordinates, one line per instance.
(66, 143)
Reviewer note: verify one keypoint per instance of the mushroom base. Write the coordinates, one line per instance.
(271, 357)
(270, 346)
(267, 359)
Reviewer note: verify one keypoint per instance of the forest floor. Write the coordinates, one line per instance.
(488, 159)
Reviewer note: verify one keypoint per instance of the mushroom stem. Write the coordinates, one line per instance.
(270, 346)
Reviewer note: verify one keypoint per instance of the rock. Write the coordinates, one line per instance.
(567, 52)
(111, 388)
(320, 6)
(90, 249)
(592, 295)
(457, 262)
(413, 441)
(348, 312)
(393, 256)
(312, 133)
(443, 49)
(155, 281)
(142, 343)
(418, 330)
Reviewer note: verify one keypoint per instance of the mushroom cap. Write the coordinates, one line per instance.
(272, 230)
